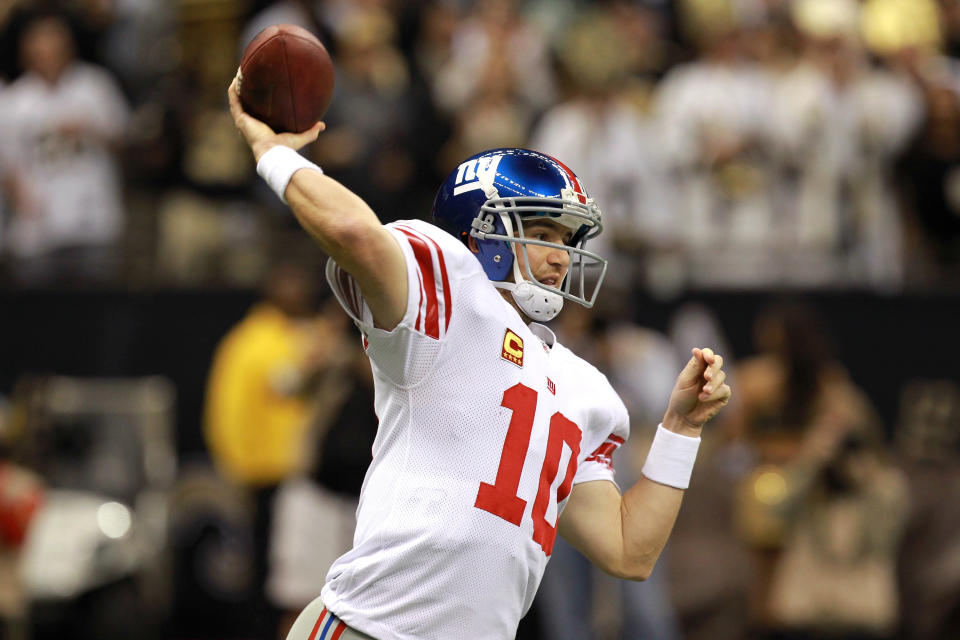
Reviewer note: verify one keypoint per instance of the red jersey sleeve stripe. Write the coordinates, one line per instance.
(441, 263)
(350, 294)
(607, 461)
(348, 290)
(608, 448)
(419, 324)
(447, 306)
(604, 453)
(421, 251)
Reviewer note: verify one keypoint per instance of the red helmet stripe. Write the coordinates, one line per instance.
(574, 181)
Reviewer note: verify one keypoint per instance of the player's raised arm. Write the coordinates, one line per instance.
(624, 535)
(341, 223)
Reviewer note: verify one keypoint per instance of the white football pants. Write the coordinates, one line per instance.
(315, 622)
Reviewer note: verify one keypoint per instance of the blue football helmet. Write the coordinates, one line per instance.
(489, 196)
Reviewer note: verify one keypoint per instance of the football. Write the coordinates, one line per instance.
(285, 78)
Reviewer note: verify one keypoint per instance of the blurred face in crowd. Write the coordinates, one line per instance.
(292, 290)
(837, 55)
(499, 16)
(47, 48)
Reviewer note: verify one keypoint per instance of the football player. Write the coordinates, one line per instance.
(493, 437)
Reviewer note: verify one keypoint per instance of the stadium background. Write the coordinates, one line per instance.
(421, 84)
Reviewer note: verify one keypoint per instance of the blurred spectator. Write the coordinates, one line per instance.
(434, 44)
(496, 38)
(930, 166)
(367, 140)
(616, 149)
(258, 403)
(823, 509)
(713, 114)
(207, 51)
(769, 37)
(315, 512)
(60, 123)
(837, 126)
(929, 171)
(257, 378)
(928, 447)
(497, 79)
(137, 42)
(494, 118)
(709, 576)
(949, 23)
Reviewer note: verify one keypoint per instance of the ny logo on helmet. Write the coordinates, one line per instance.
(475, 173)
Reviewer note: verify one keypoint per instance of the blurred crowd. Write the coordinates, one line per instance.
(732, 143)
(770, 145)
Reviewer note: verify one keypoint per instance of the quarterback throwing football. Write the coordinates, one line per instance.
(493, 437)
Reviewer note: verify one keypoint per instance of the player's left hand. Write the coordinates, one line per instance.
(259, 135)
(699, 393)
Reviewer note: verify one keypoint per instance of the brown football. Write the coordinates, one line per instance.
(286, 78)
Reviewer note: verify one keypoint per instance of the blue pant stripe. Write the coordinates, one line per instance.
(326, 627)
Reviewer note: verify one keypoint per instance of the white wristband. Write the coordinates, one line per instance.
(671, 458)
(278, 165)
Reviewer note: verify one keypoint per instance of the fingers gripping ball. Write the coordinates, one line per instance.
(285, 78)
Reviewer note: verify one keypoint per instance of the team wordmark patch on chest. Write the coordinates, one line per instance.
(512, 348)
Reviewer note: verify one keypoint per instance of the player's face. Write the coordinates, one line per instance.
(547, 264)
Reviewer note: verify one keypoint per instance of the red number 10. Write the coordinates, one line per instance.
(500, 498)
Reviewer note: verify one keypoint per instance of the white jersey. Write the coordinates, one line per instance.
(485, 425)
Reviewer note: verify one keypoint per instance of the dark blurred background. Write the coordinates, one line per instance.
(185, 415)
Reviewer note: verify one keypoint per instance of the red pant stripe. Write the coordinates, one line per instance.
(341, 627)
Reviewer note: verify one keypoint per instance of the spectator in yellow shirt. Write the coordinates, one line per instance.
(258, 404)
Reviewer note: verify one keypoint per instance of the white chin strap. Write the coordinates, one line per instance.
(538, 302)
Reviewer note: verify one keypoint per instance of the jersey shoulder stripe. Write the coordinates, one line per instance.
(434, 317)
(427, 321)
(444, 279)
(437, 265)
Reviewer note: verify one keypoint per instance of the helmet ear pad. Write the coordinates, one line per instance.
(495, 256)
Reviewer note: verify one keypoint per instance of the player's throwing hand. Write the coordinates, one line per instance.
(261, 137)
